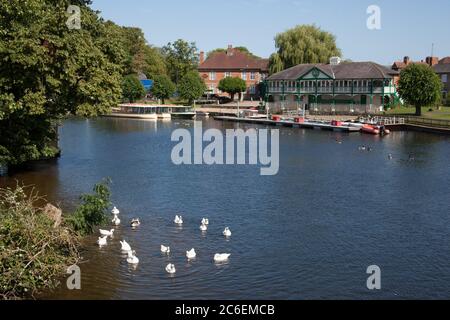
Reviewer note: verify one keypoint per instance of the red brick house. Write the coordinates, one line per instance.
(233, 63)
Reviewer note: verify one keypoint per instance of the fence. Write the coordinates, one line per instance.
(435, 123)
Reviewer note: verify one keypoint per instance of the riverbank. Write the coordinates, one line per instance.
(38, 243)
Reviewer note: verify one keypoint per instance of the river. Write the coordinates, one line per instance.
(309, 232)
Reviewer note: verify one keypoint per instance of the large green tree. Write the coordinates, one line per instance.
(240, 48)
(191, 87)
(49, 70)
(419, 86)
(232, 85)
(163, 87)
(181, 58)
(303, 44)
(132, 88)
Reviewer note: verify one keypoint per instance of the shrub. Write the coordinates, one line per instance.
(33, 253)
(92, 212)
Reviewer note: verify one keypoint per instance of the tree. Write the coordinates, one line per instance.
(303, 44)
(154, 62)
(163, 87)
(48, 70)
(191, 87)
(419, 86)
(181, 58)
(232, 85)
(132, 88)
(241, 48)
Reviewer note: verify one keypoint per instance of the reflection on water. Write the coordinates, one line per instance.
(309, 232)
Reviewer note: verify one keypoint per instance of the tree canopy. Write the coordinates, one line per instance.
(163, 87)
(303, 44)
(181, 58)
(49, 70)
(191, 87)
(232, 85)
(419, 86)
(132, 88)
(240, 48)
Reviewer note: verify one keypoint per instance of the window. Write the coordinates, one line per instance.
(227, 74)
(252, 89)
(445, 78)
(244, 75)
(212, 88)
(252, 76)
(212, 76)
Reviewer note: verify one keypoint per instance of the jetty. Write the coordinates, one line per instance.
(293, 123)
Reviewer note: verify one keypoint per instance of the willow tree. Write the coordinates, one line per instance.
(49, 70)
(419, 86)
(303, 44)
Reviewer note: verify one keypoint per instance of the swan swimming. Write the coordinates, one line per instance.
(135, 223)
(204, 227)
(116, 221)
(107, 233)
(221, 257)
(178, 220)
(132, 259)
(102, 241)
(205, 221)
(165, 249)
(191, 254)
(171, 268)
(227, 232)
(125, 246)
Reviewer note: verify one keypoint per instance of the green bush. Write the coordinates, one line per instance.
(33, 253)
(92, 212)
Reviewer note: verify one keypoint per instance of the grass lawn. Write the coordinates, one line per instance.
(442, 114)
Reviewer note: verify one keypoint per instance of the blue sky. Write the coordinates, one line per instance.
(407, 27)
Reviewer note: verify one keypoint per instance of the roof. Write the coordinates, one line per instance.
(442, 68)
(399, 65)
(445, 60)
(344, 70)
(235, 60)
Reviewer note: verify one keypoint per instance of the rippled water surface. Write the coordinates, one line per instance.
(309, 232)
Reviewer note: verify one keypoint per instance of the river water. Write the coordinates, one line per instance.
(309, 232)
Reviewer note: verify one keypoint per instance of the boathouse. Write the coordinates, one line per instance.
(333, 88)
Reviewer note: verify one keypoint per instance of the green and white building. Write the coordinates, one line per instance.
(337, 87)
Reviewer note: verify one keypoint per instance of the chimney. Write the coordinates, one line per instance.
(432, 61)
(202, 57)
(406, 60)
(230, 50)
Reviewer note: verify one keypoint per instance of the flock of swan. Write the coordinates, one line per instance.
(135, 223)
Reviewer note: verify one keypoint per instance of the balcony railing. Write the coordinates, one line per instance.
(337, 90)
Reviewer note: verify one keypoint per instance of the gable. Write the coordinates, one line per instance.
(315, 74)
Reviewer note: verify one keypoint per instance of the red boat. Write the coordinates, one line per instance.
(367, 128)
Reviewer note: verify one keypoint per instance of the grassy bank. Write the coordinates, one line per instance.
(442, 113)
(36, 248)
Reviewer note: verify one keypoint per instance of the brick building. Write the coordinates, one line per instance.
(234, 63)
(443, 70)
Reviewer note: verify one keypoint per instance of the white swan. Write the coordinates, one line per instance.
(221, 257)
(135, 223)
(107, 233)
(178, 220)
(171, 268)
(132, 259)
(227, 232)
(204, 227)
(115, 211)
(116, 221)
(165, 249)
(191, 254)
(205, 221)
(102, 241)
(125, 246)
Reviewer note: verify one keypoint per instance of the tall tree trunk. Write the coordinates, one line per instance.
(418, 111)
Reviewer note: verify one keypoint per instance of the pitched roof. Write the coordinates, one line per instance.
(399, 65)
(442, 68)
(344, 70)
(445, 60)
(234, 60)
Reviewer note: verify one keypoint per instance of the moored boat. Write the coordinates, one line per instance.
(367, 128)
